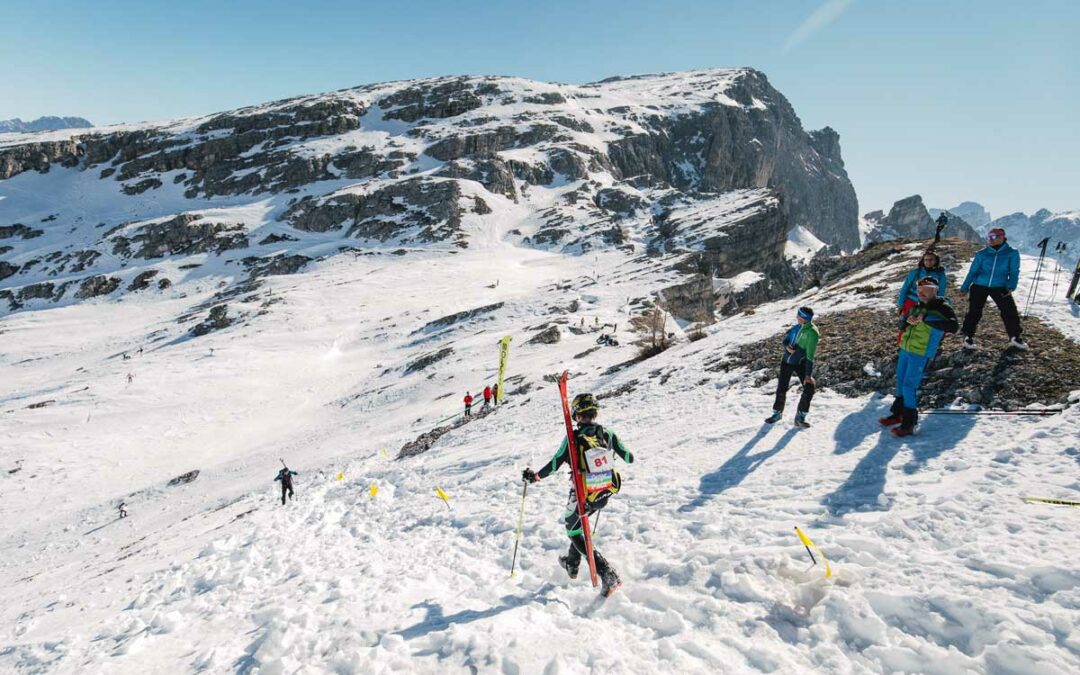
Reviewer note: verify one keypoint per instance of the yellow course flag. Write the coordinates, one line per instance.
(383, 452)
(442, 495)
(811, 545)
(341, 476)
(374, 489)
(504, 353)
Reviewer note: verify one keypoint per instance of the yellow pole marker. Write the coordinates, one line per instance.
(341, 476)
(442, 495)
(811, 545)
(1056, 502)
(384, 453)
(504, 354)
(374, 490)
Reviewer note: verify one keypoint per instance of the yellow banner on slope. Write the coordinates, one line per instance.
(504, 354)
(341, 476)
(374, 489)
(811, 545)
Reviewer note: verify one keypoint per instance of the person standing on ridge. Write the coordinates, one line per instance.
(929, 266)
(285, 476)
(995, 272)
(495, 394)
(594, 445)
(487, 398)
(800, 347)
(468, 404)
(927, 323)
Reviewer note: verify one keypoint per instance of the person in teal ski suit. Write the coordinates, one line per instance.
(594, 444)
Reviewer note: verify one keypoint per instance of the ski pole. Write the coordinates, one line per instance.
(521, 520)
(989, 412)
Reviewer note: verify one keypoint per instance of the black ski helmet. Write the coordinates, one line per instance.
(585, 404)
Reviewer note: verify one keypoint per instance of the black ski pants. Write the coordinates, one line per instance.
(786, 371)
(1003, 298)
(286, 487)
(576, 533)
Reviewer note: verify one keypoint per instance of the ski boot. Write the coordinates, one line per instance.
(610, 582)
(800, 421)
(969, 344)
(902, 431)
(564, 562)
(890, 421)
(1018, 343)
(775, 417)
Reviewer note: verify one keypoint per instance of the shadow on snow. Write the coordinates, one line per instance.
(737, 468)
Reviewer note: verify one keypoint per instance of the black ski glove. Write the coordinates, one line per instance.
(529, 476)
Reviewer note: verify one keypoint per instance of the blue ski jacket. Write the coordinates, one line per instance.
(909, 290)
(994, 268)
(285, 476)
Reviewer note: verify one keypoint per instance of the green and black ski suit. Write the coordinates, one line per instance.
(600, 484)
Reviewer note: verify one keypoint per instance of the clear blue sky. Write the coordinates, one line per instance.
(952, 99)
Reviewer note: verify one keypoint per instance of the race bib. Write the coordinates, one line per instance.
(597, 460)
(598, 470)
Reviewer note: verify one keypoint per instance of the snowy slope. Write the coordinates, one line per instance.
(937, 565)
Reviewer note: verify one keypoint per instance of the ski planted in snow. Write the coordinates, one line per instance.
(577, 478)
(1075, 281)
(1055, 502)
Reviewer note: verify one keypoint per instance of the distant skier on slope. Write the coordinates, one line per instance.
(929, 266)
(927, 323)
(995, 272)
(487, 398)
(468, 404)
(800, 347)
(495, 394)
(594, 445)
(285, 476)
(122, 508)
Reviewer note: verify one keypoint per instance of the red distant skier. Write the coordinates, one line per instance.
(468, 404)
(487, 398)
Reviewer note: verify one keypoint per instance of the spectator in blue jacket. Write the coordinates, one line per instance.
(285, 476)
(995, 272)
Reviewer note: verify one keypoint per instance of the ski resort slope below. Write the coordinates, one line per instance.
(937, 566)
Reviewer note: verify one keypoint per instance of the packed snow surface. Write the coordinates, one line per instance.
(937, 564)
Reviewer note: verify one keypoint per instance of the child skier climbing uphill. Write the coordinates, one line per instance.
(594, 445)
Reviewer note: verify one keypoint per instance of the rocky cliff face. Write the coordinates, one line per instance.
(425, 163)
(972, 213)
(910, 219)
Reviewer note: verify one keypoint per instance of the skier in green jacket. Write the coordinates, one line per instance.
(594, 444)
(800, 348)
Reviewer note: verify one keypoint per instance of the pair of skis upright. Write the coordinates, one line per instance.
(578, 479)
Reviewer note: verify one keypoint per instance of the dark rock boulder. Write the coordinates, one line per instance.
(457, 317)
(7, 269)
(278, 265)
(19, 230)
(185, 234)
(217, 320)
(183, 478)
(428, 360)
(96, 286)
(142, 280)
(548, 336)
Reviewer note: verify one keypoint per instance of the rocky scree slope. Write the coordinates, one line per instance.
(650, 163)
(858, 350)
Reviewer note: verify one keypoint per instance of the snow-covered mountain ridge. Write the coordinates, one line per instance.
(405, 165)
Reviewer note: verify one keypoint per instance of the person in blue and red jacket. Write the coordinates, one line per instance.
(927, 323)
(929, 266)
(994, 273)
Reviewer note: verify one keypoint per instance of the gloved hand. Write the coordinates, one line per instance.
(529, 476)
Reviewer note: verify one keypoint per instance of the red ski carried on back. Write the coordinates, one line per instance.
(578, 478)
